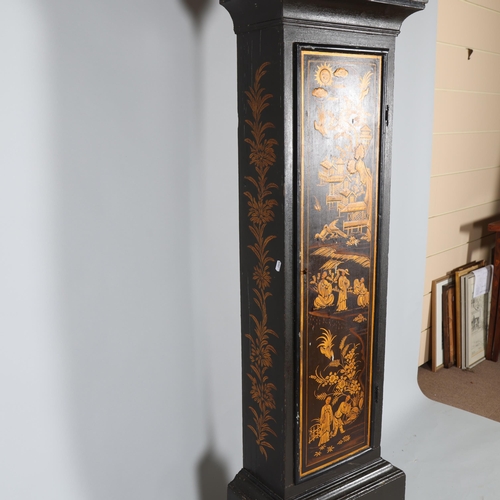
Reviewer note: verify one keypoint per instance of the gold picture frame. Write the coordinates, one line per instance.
(437, 348)
(462, 271)
(475, 320)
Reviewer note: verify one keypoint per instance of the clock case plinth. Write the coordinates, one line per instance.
(270, 37)
(377, 481)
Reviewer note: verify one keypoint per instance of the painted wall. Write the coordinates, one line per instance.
(102, 366)
(119, 359)
(465, 175)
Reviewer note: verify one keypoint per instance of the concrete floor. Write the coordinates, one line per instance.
(446, 453)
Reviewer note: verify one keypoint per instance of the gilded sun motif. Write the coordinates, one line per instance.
(324, 74)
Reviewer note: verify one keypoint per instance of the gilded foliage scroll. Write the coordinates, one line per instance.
(260, 213)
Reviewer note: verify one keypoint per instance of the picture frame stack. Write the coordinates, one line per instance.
(460, 311)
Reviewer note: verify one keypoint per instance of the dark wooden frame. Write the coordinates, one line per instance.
(493, 347)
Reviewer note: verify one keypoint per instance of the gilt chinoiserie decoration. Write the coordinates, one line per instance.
(340, 99)
(260, 212)
(315, 92)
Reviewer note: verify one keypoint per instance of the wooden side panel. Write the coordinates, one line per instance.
(262, 241)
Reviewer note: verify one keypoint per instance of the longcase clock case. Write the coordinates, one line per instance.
(314, 103)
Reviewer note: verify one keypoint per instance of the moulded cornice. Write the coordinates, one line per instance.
(373, 15)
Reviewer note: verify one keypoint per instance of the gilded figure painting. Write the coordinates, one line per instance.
(340, 114)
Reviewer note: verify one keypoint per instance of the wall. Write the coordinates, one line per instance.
(465, 176)
(103, 365)
(119, 364)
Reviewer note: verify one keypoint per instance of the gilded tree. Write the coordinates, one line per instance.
(260, 213)
(340, 382)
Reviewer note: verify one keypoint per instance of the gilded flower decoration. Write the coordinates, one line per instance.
(260, 213)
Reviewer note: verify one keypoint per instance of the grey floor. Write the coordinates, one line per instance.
(446, 453)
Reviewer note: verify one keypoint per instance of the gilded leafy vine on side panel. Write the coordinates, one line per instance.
(260, 213)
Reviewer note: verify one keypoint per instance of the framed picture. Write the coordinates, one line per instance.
(458, 303)
(475, 316)
(449, 335)
(437, 351)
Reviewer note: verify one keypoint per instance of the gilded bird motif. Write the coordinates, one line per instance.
(326, 344)
(330, 231)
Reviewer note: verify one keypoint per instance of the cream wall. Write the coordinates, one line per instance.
(465, 176)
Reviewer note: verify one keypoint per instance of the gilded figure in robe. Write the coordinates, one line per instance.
(343, 284)
(326, 421)
(361, 291)
(325, 296)
(343, 411)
